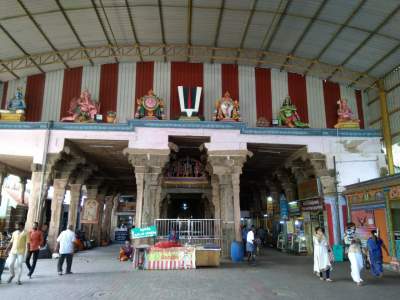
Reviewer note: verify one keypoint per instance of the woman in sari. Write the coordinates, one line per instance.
(375, 245)
(322, 262)
(356, 261)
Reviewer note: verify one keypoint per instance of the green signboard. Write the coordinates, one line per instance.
(139, 233)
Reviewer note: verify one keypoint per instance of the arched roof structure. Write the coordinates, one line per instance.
(348, 41)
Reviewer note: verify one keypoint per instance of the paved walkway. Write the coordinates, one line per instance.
(99, 275)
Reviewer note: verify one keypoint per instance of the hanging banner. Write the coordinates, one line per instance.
(90, 214)
(177, 258)
(284, 208)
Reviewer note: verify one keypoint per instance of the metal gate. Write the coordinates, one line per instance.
(191, 231)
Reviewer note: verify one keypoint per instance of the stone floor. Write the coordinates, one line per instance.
(99, 275)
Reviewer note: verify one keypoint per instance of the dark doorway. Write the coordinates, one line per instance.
(185, 206)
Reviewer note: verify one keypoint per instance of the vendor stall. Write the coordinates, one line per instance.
(375, 205)
(171, 255)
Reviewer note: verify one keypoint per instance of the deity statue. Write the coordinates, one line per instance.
(15, 108)
(227, 109)
(185, 167)
(346, 116)
(82, 108)
(288, 115)
(17, 103)
(150, 107)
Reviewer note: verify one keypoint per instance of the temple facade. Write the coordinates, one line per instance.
(223, 171)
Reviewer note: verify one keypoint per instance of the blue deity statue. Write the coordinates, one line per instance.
(17, 103)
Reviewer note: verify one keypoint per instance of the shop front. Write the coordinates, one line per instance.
(375, 205)
(311, 210)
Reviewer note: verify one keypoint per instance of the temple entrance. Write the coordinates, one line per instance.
(185, 206)
(280, 195)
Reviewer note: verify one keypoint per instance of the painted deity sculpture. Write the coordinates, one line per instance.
(17, 103)
(150, 107)
(288, 115)
(82, 108)
(15, 108)
(345, 116)
(227, 109)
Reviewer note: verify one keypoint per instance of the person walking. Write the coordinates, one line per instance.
(322, 262)
(250, 245)
(18, 245)
(3, 252)
(35, 240)
(356, 261)
(375, 245)
(65, 246)
(244, 238)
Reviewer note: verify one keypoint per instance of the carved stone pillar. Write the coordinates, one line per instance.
(106, 224)
(227, 166)
(98, 227)
(215, 196)
(148, 164)
(59, 186)
(23, 189)
(75, 192)
(151, 197)
(114, 218)
(34, 207)
(91, 194)
(139, 176)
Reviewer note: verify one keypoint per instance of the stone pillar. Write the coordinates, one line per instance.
(148, 164)
(114, 218)
(139, 176)
(227, 166)
(97, 227)
(75, 192)
(23, 188)
(91, 193)
(59, 186)
(236, 203)
(151, 197)
(106, 224)
(215, 197)
(34, 206)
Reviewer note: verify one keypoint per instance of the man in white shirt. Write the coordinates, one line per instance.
(65, 245)
(250, 247)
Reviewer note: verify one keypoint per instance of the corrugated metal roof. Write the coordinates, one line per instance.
(338, 10)
(288, 34)
(345, 43)
(232, 27)
(373, 13)
(376, 47)
(175, 24)
(257, 29)
(339, 29)
(317, 37)
(204, 25)
(392, 27)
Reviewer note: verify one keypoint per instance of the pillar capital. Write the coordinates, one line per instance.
(223, 162)
(318, 162)
(147, 160)
(328, 185)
